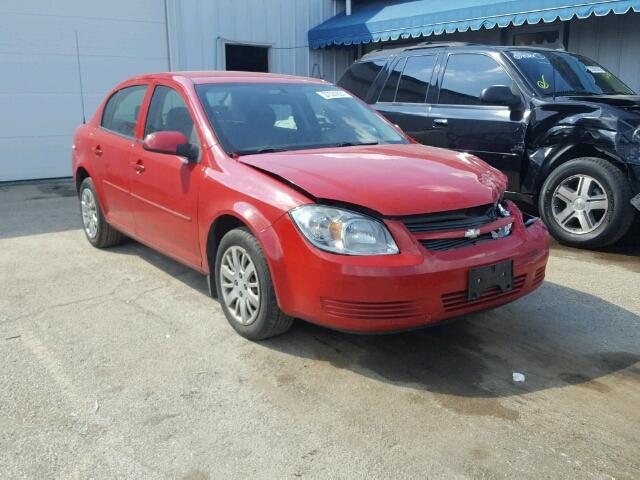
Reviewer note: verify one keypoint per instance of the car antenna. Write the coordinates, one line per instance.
(80, 78)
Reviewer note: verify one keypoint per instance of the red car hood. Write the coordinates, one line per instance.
(390, 179)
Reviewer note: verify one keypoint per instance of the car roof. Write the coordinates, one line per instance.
(387, 52)
(213, 76)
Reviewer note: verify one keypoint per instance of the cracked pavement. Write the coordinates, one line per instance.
(116, 364)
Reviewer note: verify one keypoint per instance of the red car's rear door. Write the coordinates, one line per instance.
(164, 187)
(111, 145)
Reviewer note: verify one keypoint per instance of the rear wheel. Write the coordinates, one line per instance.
(99, 233)
(585, 203)
(245, 289)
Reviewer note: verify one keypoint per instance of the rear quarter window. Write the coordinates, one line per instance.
(360, 76)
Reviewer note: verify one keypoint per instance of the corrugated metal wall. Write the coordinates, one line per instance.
(40, 102)
(199, 29)
(613, 41)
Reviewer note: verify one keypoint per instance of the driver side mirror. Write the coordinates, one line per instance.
(500, 95)
(172, 143)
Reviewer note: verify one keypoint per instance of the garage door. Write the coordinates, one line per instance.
(40, 101)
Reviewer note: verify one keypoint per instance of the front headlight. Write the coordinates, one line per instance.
(343, 231)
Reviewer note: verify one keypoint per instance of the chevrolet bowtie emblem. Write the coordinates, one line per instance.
(472, 233)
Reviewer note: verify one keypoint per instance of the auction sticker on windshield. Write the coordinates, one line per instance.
(331, 94)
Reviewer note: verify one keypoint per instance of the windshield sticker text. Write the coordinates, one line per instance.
(331, 94)
(542, 83)
(596, 69)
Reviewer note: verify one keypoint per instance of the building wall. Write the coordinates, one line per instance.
(613, 41)
(198, 31)
(40, 101)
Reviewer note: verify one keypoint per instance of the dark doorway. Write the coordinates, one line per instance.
(247, 58)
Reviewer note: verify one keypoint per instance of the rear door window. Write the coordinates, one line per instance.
(360, 76)
(121, 112)
(415, 79)
(466, 75)
(388, 93)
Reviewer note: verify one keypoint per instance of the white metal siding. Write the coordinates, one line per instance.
(40, 104)
(199, 30)
(612, 41)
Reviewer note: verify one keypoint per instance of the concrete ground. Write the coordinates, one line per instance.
(116, 364)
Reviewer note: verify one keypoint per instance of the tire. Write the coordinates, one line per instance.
(585, 203)
(237, 290)
(104, 235)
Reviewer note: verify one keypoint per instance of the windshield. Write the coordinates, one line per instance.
(263, 117)
(563, 73)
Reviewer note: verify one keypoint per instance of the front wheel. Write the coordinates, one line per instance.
(245, 289)
(585, 203)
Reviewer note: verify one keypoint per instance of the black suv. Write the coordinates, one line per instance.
(563, 129)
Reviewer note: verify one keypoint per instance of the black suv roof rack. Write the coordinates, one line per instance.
(401, 48)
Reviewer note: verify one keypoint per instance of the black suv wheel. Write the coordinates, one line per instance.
(585, 203)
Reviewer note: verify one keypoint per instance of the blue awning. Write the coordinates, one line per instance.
(390, 20)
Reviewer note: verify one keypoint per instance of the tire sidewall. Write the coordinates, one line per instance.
(242, 238)
(611, 222)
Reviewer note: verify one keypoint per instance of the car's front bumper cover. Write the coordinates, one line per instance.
(415, 288)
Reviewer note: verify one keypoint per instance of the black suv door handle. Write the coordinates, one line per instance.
(440, 122)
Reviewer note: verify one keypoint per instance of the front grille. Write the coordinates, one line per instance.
(451, 243)
(372, 310)
(459, 300)
(452, 220)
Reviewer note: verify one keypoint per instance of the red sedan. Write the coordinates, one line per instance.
(299, 201)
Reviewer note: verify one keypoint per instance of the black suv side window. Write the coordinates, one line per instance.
(389, 91)
(120, 114)
(466, 75)
(360, 76)
(415, 79)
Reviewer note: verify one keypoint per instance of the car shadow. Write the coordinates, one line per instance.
(476, 356)
(38, 207)
(557, 336)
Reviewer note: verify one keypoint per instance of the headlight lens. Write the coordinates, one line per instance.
(343, 231)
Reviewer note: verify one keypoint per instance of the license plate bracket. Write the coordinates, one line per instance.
(483, 278)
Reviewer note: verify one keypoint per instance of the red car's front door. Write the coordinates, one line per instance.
(164, 187)
(111, 146)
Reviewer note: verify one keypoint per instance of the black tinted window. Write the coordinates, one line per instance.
(415, 79)
(121, 111)
(360, 76)
(389, 90)
(168, 112)
(467, 75)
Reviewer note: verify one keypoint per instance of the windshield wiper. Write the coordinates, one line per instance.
(576, 92)
(353, 144)
(257, 151)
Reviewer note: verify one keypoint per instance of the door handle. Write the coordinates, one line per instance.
(139, 167)
(97, 150)
(440, 122)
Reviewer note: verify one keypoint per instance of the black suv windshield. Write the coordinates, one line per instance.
(265, 117)
(563, 73)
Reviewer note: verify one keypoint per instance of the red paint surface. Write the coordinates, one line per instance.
(171, 205)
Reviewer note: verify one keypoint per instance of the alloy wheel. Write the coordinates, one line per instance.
(89, 210)
(579, 204)
(240, 285)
